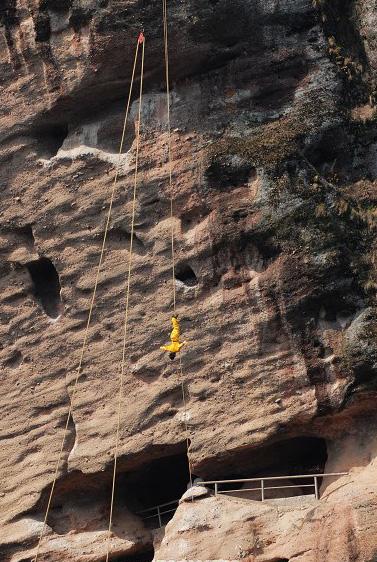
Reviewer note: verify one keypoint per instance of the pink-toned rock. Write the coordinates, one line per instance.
(274, 174)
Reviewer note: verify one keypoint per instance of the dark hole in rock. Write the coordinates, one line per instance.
(161, 481)
(298, 455)
(157, 482)
(57, 5)
(42, 26)
(268, 251)
(46, 286)
(147, 556)
(289, 457)
(50, 139)
(330, 153)
(227, 23)
(229, 172)
(256, 248)
(186, 275)
(80, 17)
(21, 235)
(194, 217)
(335, 312)
(278, 89)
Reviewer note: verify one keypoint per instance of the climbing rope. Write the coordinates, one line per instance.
(126, 314)
(88, 323)
(166, 50)
(187, 431)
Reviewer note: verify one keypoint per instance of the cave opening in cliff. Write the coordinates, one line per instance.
(334, 310)
(46, 286)
(50, 139)
(289, 457)
(329, 154)
(146, 556)
(81, 16)
(186, 275)
(229, 172)
(56, 5)
(161, 481)
(298, 457)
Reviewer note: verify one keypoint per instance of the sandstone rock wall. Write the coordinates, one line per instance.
(274, 155)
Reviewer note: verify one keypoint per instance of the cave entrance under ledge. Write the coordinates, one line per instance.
(289, 457)
(159, 482)
(140, 557)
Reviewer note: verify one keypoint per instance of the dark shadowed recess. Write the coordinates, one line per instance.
(229, 172)
(222, 33)
(186, 275)
(226, 31)
(289, 457)
(333, 306)
(329, 153)
(50, 138)
(23, 234)
(56, 5)
(165, 479)
(8, 13)
(46, 286)
(341, 23)
(148, 484)
(221, 14)
(160, 481)
(137, 557)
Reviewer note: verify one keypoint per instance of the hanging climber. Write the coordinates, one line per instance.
(175, 346)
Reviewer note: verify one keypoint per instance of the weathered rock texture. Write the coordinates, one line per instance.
(274, 154)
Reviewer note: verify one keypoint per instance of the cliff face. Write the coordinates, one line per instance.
(274, 155)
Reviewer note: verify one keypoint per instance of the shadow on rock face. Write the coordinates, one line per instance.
(215, 22)
(229, 172)
(360, 349)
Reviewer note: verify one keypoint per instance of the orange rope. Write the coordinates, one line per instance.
(126, 314)
(166, 49)
(84, 345)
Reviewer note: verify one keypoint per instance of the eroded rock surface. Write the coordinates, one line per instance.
(274, 149)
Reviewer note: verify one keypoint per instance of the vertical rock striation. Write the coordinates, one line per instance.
(274, 151)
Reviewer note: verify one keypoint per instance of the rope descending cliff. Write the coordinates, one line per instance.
(99, 267)
(171, 190)
(141, 41)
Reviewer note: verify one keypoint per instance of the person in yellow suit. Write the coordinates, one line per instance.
(175, 346)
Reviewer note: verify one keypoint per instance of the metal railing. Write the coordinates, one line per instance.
(269, 480)
(159, 515)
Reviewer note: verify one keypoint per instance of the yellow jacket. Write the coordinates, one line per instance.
(175, 346)
(176, 331)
